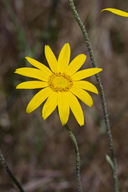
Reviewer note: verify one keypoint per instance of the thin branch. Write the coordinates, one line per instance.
(3, 162)
(105, 113)
(77, 158)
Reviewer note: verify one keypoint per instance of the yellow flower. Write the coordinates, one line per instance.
(116, 11)
(60, 85)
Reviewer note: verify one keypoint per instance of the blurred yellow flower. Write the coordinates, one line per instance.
(116, 11)
(60, 85)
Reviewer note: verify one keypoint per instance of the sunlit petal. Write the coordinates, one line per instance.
(116, 11)
(63, 107)
(52, 61)
(86, 85)
(82, 95)
(64, 57)
(76, 108)
(32, 85)
(50, 105)
(75, 64)
(38, 99)
(85, 73)
(32, 72)
(39, 65)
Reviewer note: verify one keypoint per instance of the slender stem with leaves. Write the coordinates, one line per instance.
(77, 158)
(105, 113)
(3, 162)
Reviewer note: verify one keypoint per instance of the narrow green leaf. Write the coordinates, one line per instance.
(110, 162)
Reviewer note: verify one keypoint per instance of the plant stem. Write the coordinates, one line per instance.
(3, 162)
(77, 158)
(105, 113)
(20, 31)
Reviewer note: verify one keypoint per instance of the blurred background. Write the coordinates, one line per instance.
(40, 153)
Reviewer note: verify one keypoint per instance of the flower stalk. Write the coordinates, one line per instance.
(77, 158)
(103, 102)
(3, 162)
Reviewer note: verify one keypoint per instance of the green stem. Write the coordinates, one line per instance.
(105, 113)
(77, 158)
(3, 162)
(11, 14)
(20, 31)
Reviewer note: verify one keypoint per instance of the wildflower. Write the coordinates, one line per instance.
(60, 85)
(116, 11)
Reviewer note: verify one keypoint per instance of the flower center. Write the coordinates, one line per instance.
(60, 82)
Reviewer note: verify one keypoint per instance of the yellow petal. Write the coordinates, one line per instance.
(39, 65)
(32, 72)
(38, 99)
(116, 11)
(51, 59)
(86, 85)
(50, 105)
(63, 107)
(32, 85)
(82, 95)
(64, 57)
(85, 73)
(76, 108)
(75, 64)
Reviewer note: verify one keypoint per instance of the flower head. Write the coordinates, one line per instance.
(116, 12)
(60, 85)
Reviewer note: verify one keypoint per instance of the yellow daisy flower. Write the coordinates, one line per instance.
(60, 85)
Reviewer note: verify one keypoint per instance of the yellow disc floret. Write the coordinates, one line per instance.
(60, 82)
